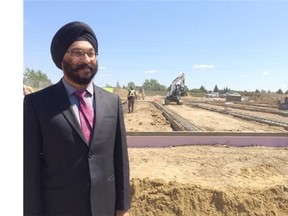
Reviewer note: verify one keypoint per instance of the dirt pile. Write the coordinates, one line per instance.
(209, 181)
(157, 197)
(265, 98)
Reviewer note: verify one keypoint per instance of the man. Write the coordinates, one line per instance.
(131, 99)
(65, 172)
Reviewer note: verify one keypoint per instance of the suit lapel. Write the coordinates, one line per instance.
(64, 105)
(99, 112)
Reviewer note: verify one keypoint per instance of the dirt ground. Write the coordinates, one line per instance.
(205, 180)
(146, 118)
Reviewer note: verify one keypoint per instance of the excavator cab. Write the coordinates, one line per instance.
(174, 96)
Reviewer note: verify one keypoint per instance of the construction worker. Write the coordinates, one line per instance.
(131, 99)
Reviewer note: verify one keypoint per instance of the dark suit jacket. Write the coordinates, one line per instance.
(62, 175)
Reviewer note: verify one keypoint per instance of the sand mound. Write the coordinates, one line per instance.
(209, 181)
(157, 197)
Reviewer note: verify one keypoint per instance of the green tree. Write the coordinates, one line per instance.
(153, 85)
(226, 90)
(202, 88)
(131, 84)
(108, 86)
(36, 79)
(279, 91)
(263, 91)
(186, 89)
(196, 91)
(216, 89)
(118, 85)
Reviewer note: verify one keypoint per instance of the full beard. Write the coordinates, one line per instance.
(72, 72)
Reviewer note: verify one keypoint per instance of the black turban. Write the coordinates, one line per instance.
(68, 34)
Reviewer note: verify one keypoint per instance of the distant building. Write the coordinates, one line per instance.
(233, 97)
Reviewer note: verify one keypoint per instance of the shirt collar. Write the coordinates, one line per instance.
(70, 89)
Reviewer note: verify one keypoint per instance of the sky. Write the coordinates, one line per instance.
(242, 45)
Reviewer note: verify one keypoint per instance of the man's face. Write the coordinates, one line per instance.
(80, 63)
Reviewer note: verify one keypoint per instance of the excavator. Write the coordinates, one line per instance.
(176, 91)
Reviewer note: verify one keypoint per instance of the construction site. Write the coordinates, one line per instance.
(204, 115)
(208, 156)
(179, 112)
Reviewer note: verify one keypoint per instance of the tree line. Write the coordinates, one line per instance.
(39, 80)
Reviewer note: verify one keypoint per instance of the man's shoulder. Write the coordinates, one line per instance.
(41, 92)
(104, 92)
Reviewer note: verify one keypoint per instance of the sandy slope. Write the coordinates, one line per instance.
(209, 180)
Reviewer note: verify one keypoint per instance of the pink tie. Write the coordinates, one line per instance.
(86, 114)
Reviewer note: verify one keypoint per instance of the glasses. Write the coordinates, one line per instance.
(80, 53)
